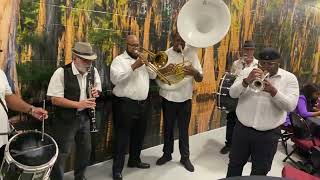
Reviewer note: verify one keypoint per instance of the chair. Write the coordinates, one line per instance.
(301, 137)
(286, 134)
(296, 174)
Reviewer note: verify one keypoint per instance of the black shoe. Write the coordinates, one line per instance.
(140, 165)
(117, 176)
(164, 159)
(225, 150)
(187, 164)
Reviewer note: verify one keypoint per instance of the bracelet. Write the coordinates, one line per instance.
(30, 111)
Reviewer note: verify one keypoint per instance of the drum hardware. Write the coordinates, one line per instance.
(43, 118)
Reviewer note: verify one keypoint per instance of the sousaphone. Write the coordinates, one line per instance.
(201, 23)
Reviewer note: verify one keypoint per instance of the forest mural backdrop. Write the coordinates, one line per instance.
(37, 37)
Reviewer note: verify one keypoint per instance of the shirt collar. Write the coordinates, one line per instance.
(279, 74)
(126, 56)
(253, 63)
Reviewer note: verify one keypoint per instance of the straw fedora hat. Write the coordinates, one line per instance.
(84, 50)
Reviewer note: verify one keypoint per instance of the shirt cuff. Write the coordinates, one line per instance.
(279, 96)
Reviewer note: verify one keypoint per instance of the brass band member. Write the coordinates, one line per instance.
(176, 103)
(247, 60)
(68, 89)
(15, 103)
(261, 113)
(131, 105)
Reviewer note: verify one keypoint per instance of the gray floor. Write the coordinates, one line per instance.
(209, 163)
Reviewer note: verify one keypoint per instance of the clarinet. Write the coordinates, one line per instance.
(92, 111)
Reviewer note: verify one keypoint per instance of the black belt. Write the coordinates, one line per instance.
(268, 130)
(133, 101)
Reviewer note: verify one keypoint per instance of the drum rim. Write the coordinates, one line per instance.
(8, 157)
(220, 89)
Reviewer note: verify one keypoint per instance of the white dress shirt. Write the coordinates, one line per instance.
(56, 85)
(133, 84)
(4, 91)
(239, 65)
(260, 110)
(182, 90)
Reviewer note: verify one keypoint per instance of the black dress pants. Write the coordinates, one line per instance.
(65, 136)
(130, 122)
(231, 122)
(172, 112)
(260, 145)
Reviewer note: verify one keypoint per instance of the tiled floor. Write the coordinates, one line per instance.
(209, 163)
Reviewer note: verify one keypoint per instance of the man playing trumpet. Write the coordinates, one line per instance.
(260, 114)
(176, 101)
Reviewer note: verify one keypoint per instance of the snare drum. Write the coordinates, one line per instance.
(27, 157)
(224, 101)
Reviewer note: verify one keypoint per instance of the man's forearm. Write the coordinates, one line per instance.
(63, 102)
(14, 102)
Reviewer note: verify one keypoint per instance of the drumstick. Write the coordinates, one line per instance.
(42, 130)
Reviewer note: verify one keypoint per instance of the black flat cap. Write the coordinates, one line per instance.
(248, 45)
(269, 54)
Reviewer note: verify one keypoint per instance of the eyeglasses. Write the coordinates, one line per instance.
(133, 45)
(264, 64)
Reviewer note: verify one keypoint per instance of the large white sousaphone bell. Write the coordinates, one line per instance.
(203, 23)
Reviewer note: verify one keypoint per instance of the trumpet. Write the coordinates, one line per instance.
(258, 85)
(159, 60)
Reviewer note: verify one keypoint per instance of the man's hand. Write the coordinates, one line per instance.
(190, 70)
(95, 93)
(86, 103)
(254, 74)
(39, 113)
(167, 69)
(269, 88)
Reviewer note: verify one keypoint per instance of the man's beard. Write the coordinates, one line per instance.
(132, 55)
(82, 69)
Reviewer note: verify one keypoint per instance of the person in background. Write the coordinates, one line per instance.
(248, 60)
(307, 102)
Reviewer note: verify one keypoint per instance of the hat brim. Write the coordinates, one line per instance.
(87, 57)
(248, 47)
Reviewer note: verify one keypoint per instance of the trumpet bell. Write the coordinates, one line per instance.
(203, 23)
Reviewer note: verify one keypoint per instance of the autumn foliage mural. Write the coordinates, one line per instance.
(37, 37)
